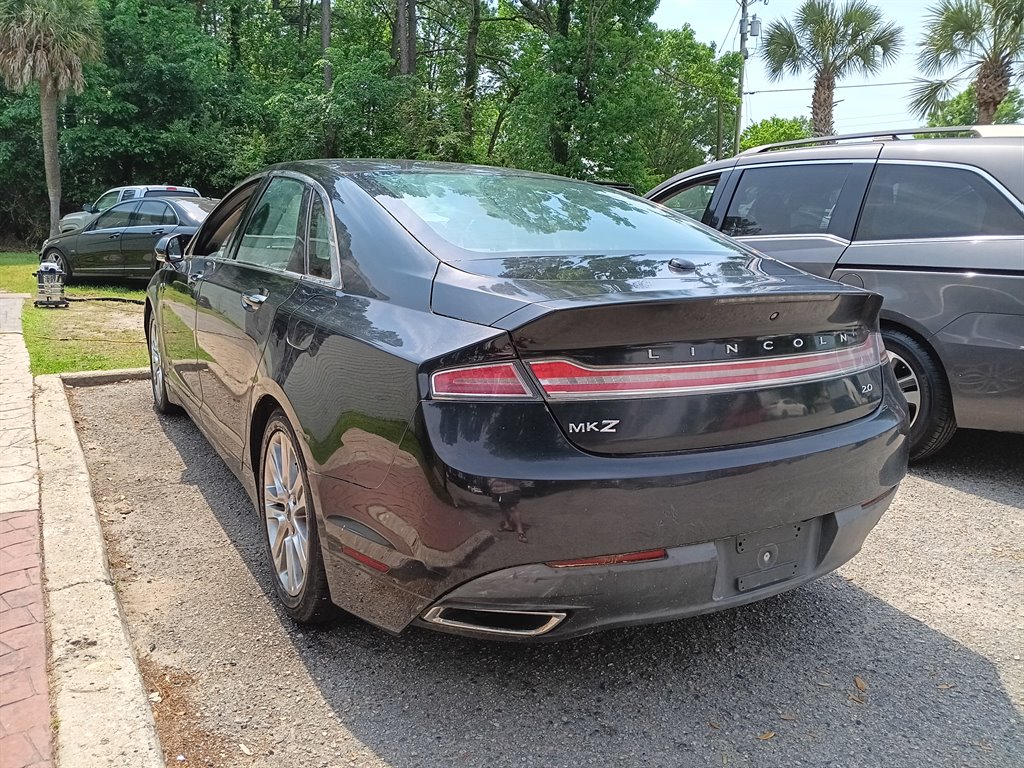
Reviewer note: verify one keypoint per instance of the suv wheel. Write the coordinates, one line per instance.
(924, 385)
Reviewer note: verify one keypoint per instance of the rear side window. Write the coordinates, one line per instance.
(271, 236)
(117, 216)
(319, 241)
(152, 212)
(693, 200)
(786, 199)
(918, 201)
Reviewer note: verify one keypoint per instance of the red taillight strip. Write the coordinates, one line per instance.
(566, 379)
(497, 380)
(628, 557)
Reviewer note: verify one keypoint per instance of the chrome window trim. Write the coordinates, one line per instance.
(802, 236)
(952, 239)
(778, 163)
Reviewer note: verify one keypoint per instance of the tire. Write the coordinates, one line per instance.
(924, 384)
(161, 403)
(290, 526)
(56, 257)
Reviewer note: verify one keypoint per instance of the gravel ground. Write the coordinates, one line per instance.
(911, 655)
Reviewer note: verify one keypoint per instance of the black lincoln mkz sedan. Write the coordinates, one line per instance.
(511, 405)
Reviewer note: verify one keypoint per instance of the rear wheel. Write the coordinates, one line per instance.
(924, 385)
(54, 256)
(161, 403)
(289, 525)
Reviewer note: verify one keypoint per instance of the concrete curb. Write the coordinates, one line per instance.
(99, 378)
(102, 710)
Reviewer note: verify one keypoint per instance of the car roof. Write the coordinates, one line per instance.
(1001, 156)
(328, 169)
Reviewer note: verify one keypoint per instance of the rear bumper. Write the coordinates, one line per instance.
(692, 579)
(466, 514)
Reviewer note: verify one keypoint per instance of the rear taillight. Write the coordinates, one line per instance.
(495, 380)
(563, 379)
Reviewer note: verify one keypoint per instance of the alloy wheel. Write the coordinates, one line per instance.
(286, 512)
(909, 384)
(155, 364)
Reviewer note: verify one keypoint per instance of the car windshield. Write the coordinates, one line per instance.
(489, 213)
(196, 209)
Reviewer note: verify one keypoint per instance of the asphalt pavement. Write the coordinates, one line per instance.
(911, 655)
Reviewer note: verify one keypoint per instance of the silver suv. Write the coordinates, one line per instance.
(89, 212)
(935, 225)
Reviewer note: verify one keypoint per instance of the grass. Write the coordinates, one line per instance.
(87, 336)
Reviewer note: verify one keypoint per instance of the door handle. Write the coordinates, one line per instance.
(157, 232)
(114, 236)
(253, 301)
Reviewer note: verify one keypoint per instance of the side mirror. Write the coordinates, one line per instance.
(170, 249)
(90, 208)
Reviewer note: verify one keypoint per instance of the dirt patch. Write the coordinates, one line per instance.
(171, 696)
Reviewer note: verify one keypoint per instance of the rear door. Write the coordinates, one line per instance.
(800, 212)
(239, 296)
(150, 221)
(98, 251)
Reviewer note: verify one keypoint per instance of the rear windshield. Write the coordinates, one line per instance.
(490, 213)
(171, 193)
(196, 210)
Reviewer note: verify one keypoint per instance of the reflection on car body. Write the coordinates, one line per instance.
(391, 355)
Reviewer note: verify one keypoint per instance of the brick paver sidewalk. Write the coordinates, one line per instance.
(24, 696)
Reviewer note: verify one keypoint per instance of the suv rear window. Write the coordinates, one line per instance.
(918, 201)
(792, 199)
(171, 193)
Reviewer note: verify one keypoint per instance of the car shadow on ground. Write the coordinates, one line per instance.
(980, 463)
(771, 684)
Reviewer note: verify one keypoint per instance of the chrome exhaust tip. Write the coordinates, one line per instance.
(495, 621)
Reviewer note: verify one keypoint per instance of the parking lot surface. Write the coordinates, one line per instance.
(911, 655)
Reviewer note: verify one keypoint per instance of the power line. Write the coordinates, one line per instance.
(727, 31)
(865, 85)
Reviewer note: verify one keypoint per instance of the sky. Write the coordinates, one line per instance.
(878, 106)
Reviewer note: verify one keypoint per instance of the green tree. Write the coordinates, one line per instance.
(45, 42)
(962, 109)
(832, 43)
(985, 40)
(775, 129)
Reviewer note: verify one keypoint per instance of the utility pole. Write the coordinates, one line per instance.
(744, 4)
(751, 27)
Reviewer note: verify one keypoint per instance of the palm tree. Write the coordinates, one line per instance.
(985, 38)
(46, 42)
(832, 42)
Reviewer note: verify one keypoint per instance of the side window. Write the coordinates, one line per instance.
(153, 212)
(220, 229)
(320, 239)
(128, 194)
(785, 200)
(693, 201)
(106, 200)
(915, 201)
(272, 236)
(118, 216)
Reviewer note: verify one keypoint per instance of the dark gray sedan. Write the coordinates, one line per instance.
(119, 242)
(511, 405)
